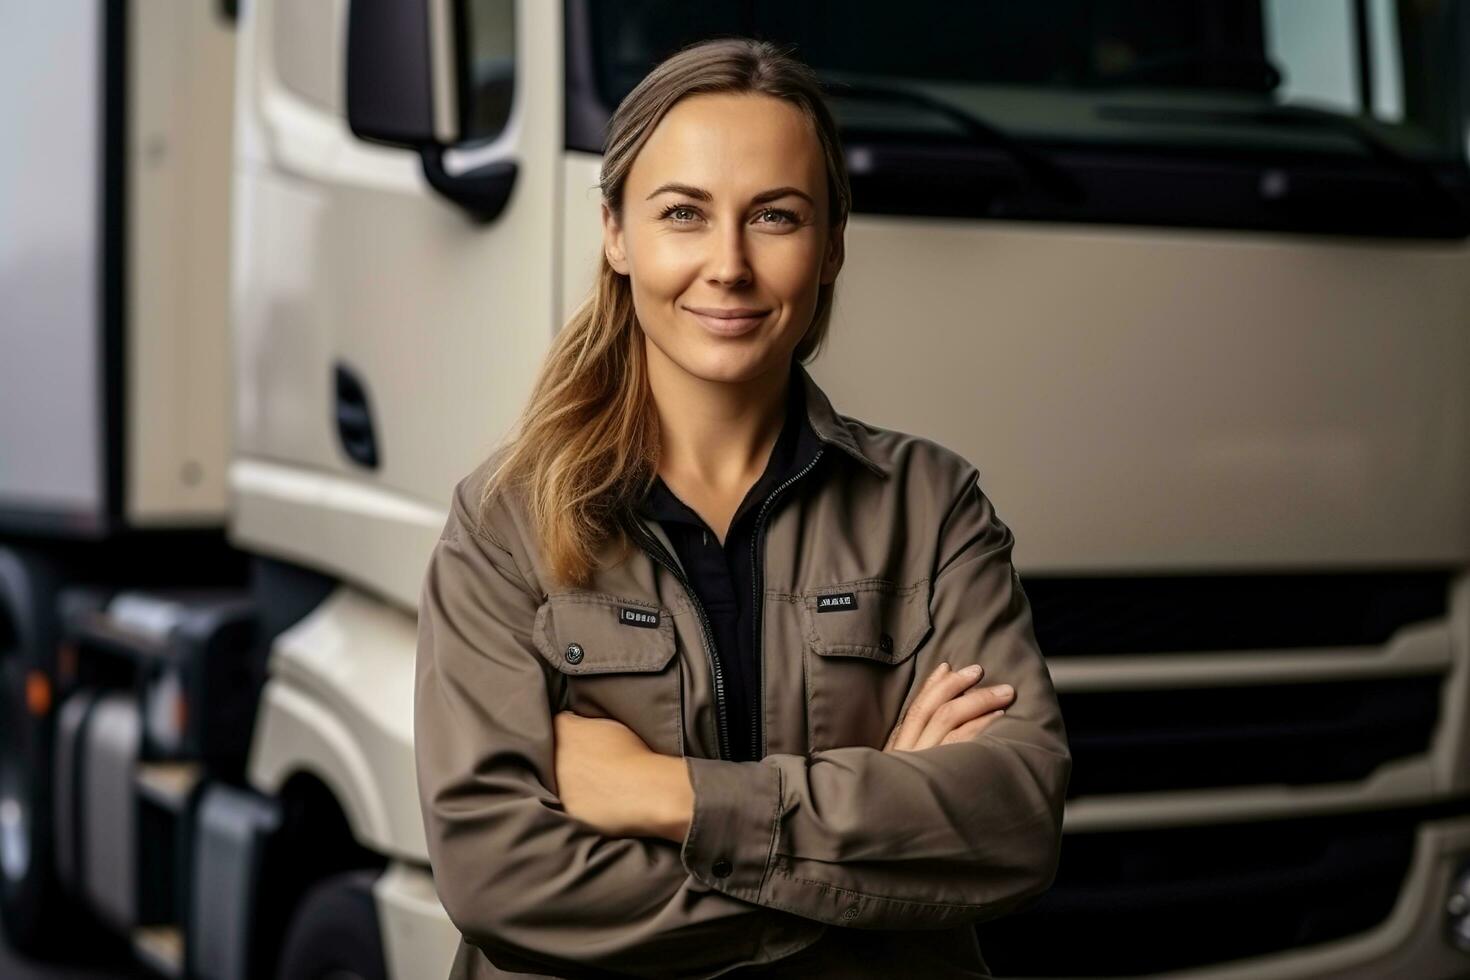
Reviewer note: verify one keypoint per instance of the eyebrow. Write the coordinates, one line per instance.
(703, 195)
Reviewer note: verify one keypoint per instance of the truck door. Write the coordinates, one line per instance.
(386, 333)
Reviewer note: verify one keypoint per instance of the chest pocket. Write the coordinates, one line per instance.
(861, 638)
(614, 659)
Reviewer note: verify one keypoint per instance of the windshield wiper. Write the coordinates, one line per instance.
(1410, 168)
(1047, 175)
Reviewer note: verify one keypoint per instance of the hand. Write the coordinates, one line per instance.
(608, 777)
(948, 708)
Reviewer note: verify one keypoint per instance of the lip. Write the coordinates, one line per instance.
(728, 322)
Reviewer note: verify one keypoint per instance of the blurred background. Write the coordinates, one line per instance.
(1187, 281)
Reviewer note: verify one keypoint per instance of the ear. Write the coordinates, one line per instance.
(836, 250)
(612, 241)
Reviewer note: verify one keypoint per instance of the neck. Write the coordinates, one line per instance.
(716, 434)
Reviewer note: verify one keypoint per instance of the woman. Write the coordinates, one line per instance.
(684, 704)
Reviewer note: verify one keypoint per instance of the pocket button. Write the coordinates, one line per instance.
(722, 868)
(885, 643)
(574, 653)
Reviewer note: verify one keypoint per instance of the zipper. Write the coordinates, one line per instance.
(757, 569)
(658, 553)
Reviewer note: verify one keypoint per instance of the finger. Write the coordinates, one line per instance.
(935, 675)
(973, 727)
(932, 700)
(943, 685)
(958, 710)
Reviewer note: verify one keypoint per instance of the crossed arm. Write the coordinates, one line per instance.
(608, 778)
(769, 851)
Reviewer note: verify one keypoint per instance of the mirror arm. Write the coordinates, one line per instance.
(482, 192)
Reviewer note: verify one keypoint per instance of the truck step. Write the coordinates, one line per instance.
(161, 948)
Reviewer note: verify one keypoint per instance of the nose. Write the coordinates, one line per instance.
(729, 264)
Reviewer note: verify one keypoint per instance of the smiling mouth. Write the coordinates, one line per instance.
(729, 326)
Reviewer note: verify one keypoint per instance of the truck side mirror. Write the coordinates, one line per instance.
(402, 86)
(390, 72)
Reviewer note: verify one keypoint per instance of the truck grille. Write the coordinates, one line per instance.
(1167, 739)
(1157, 614)
(1139, 902)
(1188, 696)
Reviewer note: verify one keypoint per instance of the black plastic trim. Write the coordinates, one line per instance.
(482, 192)
(1146, 900)
(1191, 614)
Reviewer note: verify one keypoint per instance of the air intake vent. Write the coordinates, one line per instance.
(1093, 616)
(1145, 901)
(1188, 738)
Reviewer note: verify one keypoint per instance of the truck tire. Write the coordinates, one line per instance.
(334, 932)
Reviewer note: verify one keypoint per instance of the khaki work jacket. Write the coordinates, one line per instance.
(828, 857)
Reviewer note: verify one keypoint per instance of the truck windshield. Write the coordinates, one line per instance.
(1162, 112)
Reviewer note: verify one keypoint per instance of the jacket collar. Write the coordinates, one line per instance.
(829, 426)
(826, 424)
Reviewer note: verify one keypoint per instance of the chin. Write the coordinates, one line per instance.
(729, 365)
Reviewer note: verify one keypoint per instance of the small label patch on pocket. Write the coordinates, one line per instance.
(837, 601)
(629, 616)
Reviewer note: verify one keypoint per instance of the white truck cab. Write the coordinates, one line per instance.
(1186, 282)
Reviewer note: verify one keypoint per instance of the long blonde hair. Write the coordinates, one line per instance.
(587, 443)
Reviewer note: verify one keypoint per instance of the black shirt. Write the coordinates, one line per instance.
(722, 577)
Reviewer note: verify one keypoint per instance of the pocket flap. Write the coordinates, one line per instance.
(591, 633)
(874, 619)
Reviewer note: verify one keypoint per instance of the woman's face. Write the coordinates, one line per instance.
(725, 209)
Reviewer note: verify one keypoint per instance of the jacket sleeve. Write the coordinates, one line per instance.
(532, 887)
(931, 838)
